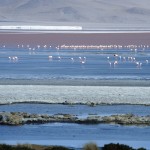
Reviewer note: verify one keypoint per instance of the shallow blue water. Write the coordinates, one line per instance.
(72, 133)
(67, 64)
(76, 135)
(37, 65)
(81, 110)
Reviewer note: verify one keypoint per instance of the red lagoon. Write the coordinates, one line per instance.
(54, 39)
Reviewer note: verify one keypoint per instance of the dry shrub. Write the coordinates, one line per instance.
(90, 146)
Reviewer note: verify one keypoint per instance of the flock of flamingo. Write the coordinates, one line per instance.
(130, 59)
(113, 61)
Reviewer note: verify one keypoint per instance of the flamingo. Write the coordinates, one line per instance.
(13, 58)
(124, 58)
(139, 64)
(45, 46)
(116, 55)
(38, 46)
(72, 59)
(50, 58)
(83, 61)
(147, 61)
(110, 64)
(59, 58)
(134, 59)
(120, 57)
(9, 58)
(16, 58)
(115, 63)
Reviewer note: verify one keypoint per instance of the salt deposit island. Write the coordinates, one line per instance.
(43, 28)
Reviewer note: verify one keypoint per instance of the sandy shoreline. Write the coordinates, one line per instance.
(77, 82)
(74, 94)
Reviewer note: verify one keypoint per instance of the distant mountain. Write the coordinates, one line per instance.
(97, 12)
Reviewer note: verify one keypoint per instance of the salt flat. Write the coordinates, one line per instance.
(74, 94)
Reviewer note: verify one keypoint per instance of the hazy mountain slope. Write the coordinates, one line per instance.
(109, 12)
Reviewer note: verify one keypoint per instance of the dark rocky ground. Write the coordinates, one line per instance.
(88, 146)
(20, 118)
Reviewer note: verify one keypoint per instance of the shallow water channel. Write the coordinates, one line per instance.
(76, 135)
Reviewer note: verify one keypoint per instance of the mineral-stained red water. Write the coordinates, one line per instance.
(74, 38)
